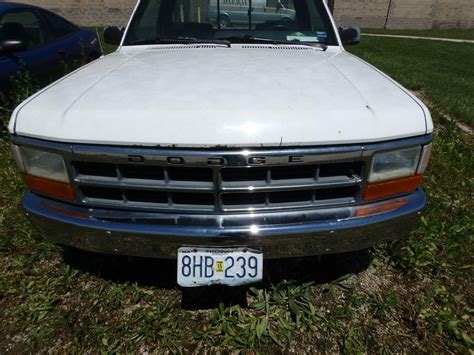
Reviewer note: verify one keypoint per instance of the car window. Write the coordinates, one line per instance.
(25, 26)
(61, 27)
(234, 20)
(146, 25)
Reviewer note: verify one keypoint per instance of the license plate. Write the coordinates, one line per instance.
(206, 266)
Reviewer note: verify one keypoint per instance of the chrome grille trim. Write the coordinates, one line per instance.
(216, 160)
(221, 190)
(238, 184)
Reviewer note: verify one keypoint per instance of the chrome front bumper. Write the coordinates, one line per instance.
(277, 234)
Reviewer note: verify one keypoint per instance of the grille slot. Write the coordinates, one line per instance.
(244, 174)
(291, 196)
(101, 193)
(91, 193)
(190, 174)
(224, 188)
(341, 170)
(95, 169)
(248, 199)
(142, 172)
(294, 172)
(336, 193)
(193, 199)
(146, 196)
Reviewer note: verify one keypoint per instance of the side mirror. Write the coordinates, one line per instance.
(350, 35)
(11, 46)
(113, 35)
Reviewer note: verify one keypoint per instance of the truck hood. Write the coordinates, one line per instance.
(247, 95)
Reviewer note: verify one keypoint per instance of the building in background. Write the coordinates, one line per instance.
(409, 14)
(412, 14)
(88, 12)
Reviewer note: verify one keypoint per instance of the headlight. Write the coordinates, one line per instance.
(396, 172)
(44, 172)
(41, 164)
(395, 164)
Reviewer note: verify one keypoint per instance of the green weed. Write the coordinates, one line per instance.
(416, 297)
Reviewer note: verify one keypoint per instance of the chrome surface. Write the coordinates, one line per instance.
(197, 180)
(277, 234)
(226, 182)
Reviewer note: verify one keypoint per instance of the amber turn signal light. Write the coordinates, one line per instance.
(389, 188)
(50, 188)
(370, 210)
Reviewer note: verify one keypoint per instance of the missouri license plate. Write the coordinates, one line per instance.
(207, 266)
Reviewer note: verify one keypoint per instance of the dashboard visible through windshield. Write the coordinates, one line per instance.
(232, 21)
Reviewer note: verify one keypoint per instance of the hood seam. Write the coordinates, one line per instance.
(94, 84)
(42, 91)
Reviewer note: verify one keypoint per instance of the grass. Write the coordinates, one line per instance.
(416, 295)
(453, 34)
(443, 72)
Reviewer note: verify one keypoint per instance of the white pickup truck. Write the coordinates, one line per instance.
(221, 147)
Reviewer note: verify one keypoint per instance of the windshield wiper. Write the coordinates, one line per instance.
(182, 40)
(252, 39)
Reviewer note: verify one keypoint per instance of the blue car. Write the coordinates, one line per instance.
(43, 42)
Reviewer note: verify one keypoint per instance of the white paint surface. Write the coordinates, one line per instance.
(219, 96)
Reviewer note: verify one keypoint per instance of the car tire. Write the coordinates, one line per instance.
(224, 21)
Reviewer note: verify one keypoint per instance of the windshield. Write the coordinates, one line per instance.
(237, 21)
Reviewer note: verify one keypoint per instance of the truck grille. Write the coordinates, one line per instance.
(175, 186)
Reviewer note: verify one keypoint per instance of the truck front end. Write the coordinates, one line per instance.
(223, 147)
